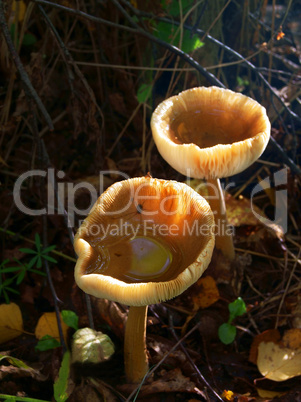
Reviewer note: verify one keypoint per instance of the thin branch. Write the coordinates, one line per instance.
(222, 46)
(53, 292)
(69, 60)
(210, 77)
(286, 159)
(175, 346)
(29, 89)
(200, 375)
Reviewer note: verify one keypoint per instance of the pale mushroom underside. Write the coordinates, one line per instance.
(184, 210)
(210, 132)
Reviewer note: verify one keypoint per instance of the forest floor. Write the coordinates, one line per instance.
(79, 81)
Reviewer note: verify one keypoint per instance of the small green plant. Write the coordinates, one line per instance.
(70, 318)
(227, 331)
(28, 39)
(48, 342)
(39, 254)
(5, 283)
(171, 33)
(60, 386)
(11, 276)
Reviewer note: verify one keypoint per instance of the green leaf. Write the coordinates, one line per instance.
(20, 277)
(35, 271)
(10, 269)
(144, 92)
(12, 30)
(15, 362)
(48, 249)
(172, 7)
(32, 262)
(227, 333)
(46, 343)
(242, 81)
(11, 398)
(61, 384)
(8, 281)
(6, 297)
(27, 251)
(4, 262)
(39, 262)
(11, 290)
(236, 308)
(70, 318)
(37, 240)
(197, 43)
(50, 259)
(166, 32)
(29, 39)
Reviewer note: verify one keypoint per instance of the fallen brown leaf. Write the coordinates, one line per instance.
(170, 381)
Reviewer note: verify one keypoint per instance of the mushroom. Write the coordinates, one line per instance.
(145, 241)
(211, 133)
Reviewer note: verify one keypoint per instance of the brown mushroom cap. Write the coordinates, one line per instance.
(210, 132)
(144, 241)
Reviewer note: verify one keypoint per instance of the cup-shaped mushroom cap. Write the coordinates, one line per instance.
(145, 241)
(210, 132)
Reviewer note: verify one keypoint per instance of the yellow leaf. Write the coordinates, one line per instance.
(264, 393)
(18, 9)
(270, 335)
(278, 363)
(292, 338)
(240, 212)
(208, 293)
(11, 322)
(47, 325)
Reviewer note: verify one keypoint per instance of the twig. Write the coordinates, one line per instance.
(176, 345)
(45, 162)
(210, 77)
(202, 378)
(269, 257)
(69, 60)
(29, 89)
(55, 298)
(227, 49)
(243, 60)
(286, 159)
(287, 288)
(85, 15)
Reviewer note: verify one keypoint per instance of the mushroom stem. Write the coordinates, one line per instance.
(223, 235)
(135, 354)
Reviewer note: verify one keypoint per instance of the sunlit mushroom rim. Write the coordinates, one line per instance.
(143, 293)
(104, 267)
(210, 132)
